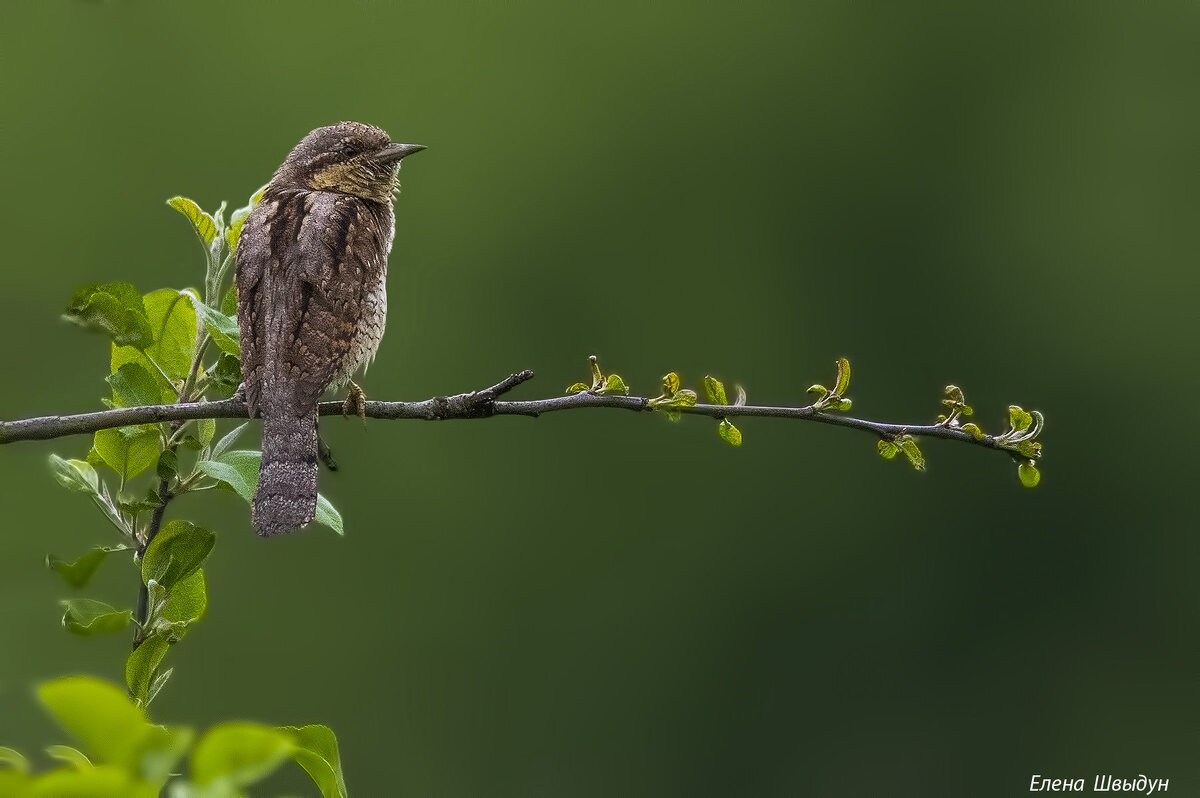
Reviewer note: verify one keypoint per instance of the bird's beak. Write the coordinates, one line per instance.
(394, 152)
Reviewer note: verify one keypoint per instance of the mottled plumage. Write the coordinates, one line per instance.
(311, 265)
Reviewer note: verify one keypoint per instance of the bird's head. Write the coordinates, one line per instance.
(349, 158)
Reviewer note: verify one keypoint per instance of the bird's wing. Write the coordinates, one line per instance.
(322, 280)
(253, 252)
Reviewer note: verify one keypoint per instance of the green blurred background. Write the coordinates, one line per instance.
(602, 603)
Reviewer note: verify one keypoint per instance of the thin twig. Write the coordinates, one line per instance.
(475, 404)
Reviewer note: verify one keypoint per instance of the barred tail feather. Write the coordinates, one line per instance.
(286, 498)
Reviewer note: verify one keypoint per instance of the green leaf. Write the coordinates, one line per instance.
(328, 516)
(87, 617)
(128, 450)
(13, 759)
(843, 376)
(317, 752)
(132, 385)
(80, 572)
(206, 430)
(238, 469)
(239, 753)
(1028, 474)
(887, 449)
(818, 389)
(670, 383)
(112, 308)
(228, 440)
(173, 322)
(72, 756)
(100, 782)
(1018, 419)
(168, 464)
(177, 552)
(840, 405)
(222, 328)
(113, 731)
(142, 666)
(714, 389)
(1030, 449)
(684, 397)
(75, 475)
(14, 784)
(729, 433)
(188, 600)
(204, 224)
(97, 713)
(228, 476)
(908, 445)
(578, 387)
(122, 355)
(975, 431)
(614, 384)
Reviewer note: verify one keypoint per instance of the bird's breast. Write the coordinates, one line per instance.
(369, 244)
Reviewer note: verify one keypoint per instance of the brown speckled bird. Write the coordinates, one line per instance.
(311, 265)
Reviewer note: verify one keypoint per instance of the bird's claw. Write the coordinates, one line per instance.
(356, 401)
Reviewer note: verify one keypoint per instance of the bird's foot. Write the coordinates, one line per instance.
(356, 401)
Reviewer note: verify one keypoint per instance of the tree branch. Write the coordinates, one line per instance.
(475, 404)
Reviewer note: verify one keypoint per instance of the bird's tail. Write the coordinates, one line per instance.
(286, 498)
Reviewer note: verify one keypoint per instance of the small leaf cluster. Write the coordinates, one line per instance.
(601, 383)
(890, 447)
(956, 403)
(1024, 427)
(1020, 437)
(673, 397)
(170, 568)
(122, 753)
(714, 389)
(834, 399)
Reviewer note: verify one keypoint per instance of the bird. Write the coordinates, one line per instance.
(312, 262)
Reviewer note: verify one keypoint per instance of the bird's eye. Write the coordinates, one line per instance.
(348, 149)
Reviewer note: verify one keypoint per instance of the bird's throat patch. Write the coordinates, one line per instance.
(337, 177)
